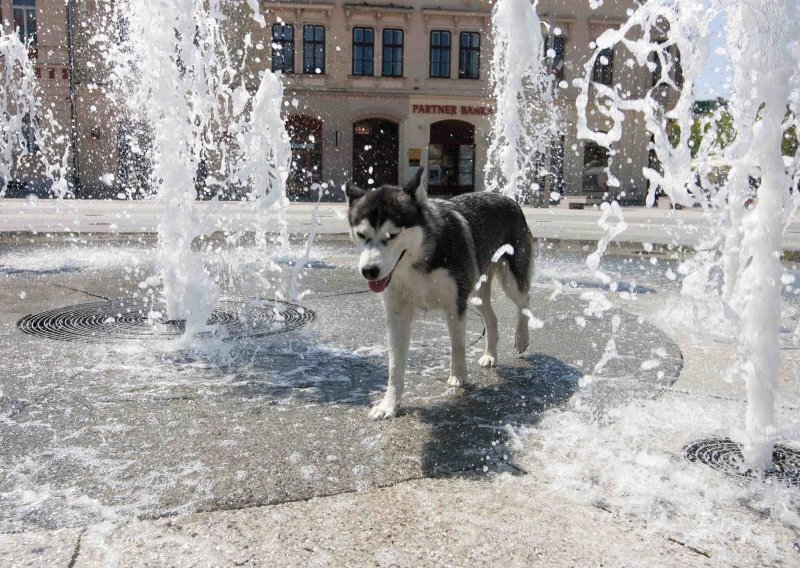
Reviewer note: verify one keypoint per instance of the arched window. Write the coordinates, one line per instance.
(376, 150)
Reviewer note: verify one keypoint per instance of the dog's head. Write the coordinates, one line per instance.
(386, 224)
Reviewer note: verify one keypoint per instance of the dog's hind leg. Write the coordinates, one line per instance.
(483, 295)
(514, 276)
(399, 320)
(457, 324)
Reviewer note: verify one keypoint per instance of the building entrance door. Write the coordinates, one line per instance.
(305, 134)
(451, 157)
(376, 150)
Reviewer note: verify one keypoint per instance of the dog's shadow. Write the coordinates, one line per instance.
(446, 430)
(466, 429)
(475, 430)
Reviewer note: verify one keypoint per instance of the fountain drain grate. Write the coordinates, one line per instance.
(133, 319)
(725, 455)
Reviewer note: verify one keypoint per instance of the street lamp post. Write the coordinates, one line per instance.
(76, 175)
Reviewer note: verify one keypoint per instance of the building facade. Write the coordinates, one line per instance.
(43, 26)
(374, 90)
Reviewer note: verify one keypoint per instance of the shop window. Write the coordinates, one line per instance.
(451, 157)
(305, 134)
(595, 165)
(123, 26)
(29, 133)
(556, 62)
(440, 54)
(135, 158)
(363, 51)
(557, 163)
(392, 53)
(603, 70)
(313, 49)
(469, 55)
(24, 12)
(283, 48)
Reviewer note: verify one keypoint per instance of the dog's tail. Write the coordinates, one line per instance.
(520, 264)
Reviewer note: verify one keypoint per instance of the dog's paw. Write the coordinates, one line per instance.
(487, 360)
(457, 381)
(521, 340)
(386, 409)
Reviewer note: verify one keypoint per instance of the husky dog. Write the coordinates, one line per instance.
(423, 254)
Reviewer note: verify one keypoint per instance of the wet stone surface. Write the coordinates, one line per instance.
(98, 430)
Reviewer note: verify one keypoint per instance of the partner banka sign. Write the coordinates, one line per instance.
(452, 109)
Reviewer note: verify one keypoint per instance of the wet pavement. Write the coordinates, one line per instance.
(141, 429)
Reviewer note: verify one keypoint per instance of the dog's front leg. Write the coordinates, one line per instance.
(399, 320)
(457, 324)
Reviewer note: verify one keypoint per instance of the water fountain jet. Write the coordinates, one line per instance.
(764, 54)
(31, 136)
(174, 71)
(526, 119)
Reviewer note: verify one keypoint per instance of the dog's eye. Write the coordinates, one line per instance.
(361, 236)
(390, 236)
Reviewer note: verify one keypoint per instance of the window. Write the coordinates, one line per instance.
(671, 56)
(603, 71)
(556, 62)
(25, 21)
(469, 55)
(392, 53)
(283, 48)
(440, 54)
(29, 133)
(451, 157)
(677, 68)
(557, 163)
(363, 48)
(656, 67)
(135, 158)
(595, 162)
(313, 49)
(376, 152)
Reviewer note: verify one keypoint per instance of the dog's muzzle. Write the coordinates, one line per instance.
(379, 286)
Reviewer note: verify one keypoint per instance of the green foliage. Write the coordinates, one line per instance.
(713, 117)
(673, 132)
(721, 122)
(790, 144)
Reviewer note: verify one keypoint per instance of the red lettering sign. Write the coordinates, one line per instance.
(451, 109)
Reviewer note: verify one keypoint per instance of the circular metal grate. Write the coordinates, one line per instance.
(137, 319)
(725, 455)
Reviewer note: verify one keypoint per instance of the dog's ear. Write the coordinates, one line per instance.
(353, 193)
(415, 187)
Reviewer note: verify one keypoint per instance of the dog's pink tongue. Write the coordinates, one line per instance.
(378, 286)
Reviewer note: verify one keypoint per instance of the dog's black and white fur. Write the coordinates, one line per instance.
(433, 254)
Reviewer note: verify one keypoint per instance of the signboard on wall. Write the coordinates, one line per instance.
(468, 110)
(414, 157)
